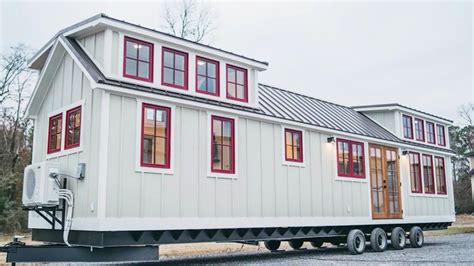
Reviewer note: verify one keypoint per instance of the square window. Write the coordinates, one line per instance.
(237, 88)
(138, 59)
(174, 69)
(207, 77)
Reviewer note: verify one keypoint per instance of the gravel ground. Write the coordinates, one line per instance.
(452, 249)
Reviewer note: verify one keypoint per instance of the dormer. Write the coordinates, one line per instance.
(134, 54)
(410, 124)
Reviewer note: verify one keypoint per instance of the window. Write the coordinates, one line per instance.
(73, 128)
(428, 174)
(138, 60)
(419, 129)
(293, 145)
(407, 127)
(440, 175)
(222, 145)
(440, 133)
(174, 71)
(430, 133)
(415, 172)
(54, 133)
(237, 83)
(350, 158)
(207, 76)
(156, 135)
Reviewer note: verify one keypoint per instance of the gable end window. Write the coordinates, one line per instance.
(407, 127)
(155, 136)
(419, 129)
(54, 133)
(440, 175)
(207, 76)
(293, 145)
(174, 70)
(350, 158)
(138, 60)
(430, 133)
(222, 145)
(428, 177)
(440, 134)
(415, 172)
(73, 128)
(237, 83)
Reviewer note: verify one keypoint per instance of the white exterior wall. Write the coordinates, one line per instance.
(385, 119)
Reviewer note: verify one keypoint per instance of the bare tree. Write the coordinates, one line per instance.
(12, 65)
(466, 112)
(189, 19)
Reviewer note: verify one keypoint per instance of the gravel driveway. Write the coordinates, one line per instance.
(450, 249)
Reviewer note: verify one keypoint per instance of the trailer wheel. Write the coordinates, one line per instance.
(272, 245)
(296, 243)
(378, 240)
(416, 237)
(356, 242)
(316, 243)
(398, 238)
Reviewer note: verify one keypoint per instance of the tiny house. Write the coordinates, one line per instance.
(178, 142)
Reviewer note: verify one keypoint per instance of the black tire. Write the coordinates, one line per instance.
(416, 237)
(398, 238)
(296, 243)
(378, 240)
(316, 243)
(272, 245)
(356, 242)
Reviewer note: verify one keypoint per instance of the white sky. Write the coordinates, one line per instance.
(418, 54)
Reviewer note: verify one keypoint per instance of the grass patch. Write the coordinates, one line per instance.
(451, 231)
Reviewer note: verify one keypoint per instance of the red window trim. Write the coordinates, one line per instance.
(444, 169)
(200, 58)
(168, 136)
(166, 49)
(150, 63)
(300, 133)
(411, 126)
(232, 121)
(422, 130)
(246, 89)
(49, 150)
(432, 173)
(68, 146)
(420, 178)
(351, 165)
(444, 135)
(434, 132)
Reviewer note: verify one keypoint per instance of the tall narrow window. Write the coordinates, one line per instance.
(73, 128)
(430, 133)
(441, 137)
(419, 129)
(350, 158)
(174, 71)
(222, 145)
(207, 76)
(415, 172)
(54, 133)
(237, 83)
(138, 60)
(428, 177)
(407, 127)
(156, 135)
(440, 175)
(293, 145)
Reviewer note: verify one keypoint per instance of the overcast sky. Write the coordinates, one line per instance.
(418, 54)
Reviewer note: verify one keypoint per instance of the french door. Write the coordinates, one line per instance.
(384, 182)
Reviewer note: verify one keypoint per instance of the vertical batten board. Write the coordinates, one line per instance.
(99, 48)
(293, 187)
(281, 178)
(68, 80)
(267, 146)
(347, 197)
(223, 197)
(305, 177)
(207, 204)
(239, 186)
(115, 60)
(316, 174)
(326, 153)
(253, 156)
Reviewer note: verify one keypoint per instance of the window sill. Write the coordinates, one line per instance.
(222, 175)
(63, 153)
(424, 195)
(153, 170)
(351, 179)
(294, 164)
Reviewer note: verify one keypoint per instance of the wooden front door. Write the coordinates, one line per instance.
(384, 182)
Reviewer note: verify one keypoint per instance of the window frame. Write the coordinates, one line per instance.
(427, 132)
(351, 162)
(207, 60)
(422, 130)
(246, 86)
(68, 146)
(420, 178)
(232, 171)
(436, 158)
(432, 173)
(167, 164)
(300, 133)
(150, 63)
(51, 118)
(185, 71)
(411, 126)
(443, 135)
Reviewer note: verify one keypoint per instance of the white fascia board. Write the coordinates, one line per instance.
(405, 110)
(197, 105)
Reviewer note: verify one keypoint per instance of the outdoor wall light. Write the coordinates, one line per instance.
(405, 152)
(331, 140)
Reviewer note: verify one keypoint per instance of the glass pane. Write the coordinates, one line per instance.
(211, 70)
(58, 142)
(201, 67)
(143, 69)
(150, 114)
(160, 150)
(231, 90)
(202, 83)
(76, 135)
(148, 149)
(77, 122)
(168, 59)
(144, 53)
(161, 123)
(211, 85)
(240, 92)
(131, 67)
(70, 136)
(227, 140)
(240, 77)
(289, 152)
(132, 49)
(217, 158)
(296, 139)
(296, 153)
(179, 62)
(168, 76)
(230, 75)
(178, 78)
(227, 158)
(217, 131)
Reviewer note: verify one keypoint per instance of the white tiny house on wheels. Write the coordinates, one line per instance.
(163, 140)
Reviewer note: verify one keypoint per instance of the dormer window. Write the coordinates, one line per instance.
(440, 135)
(237, 83)
(207, 76)
(419, 129)
(407, 127)
(174, 69)
(430, 133)
(138, 60)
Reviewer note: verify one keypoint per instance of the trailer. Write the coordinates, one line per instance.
(144, 139)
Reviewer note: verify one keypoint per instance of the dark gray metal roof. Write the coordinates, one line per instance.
(402, 106)
(273, 102)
